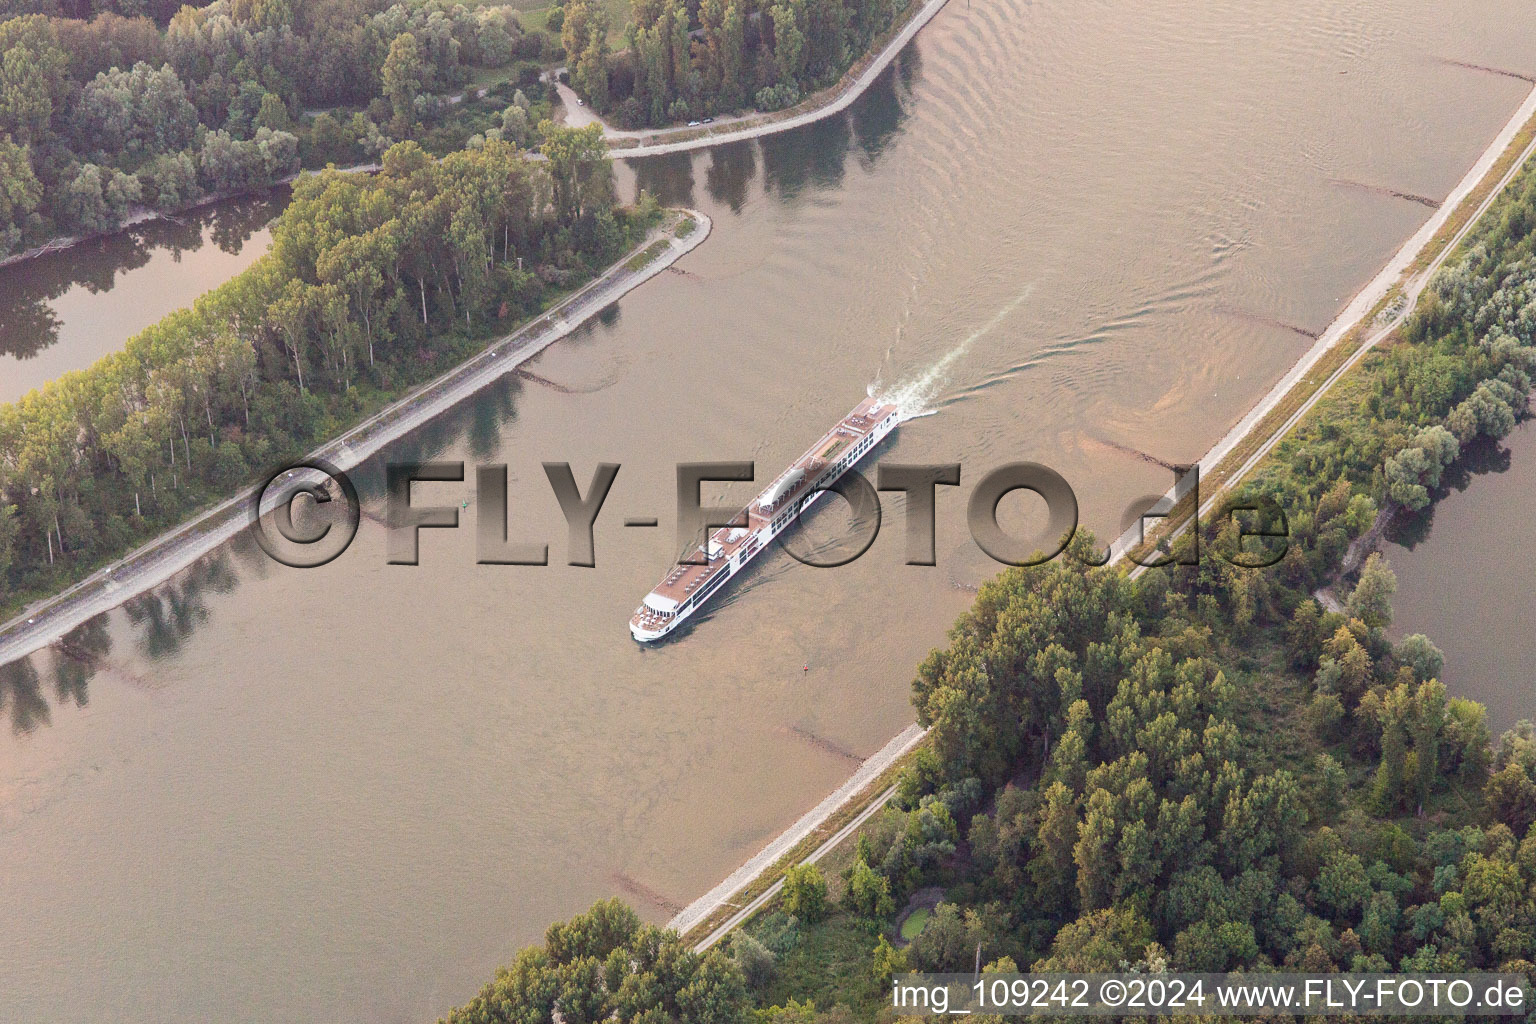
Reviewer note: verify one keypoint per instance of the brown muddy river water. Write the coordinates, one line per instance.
(347, 794)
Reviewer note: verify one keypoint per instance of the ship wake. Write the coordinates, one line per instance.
(916, 397)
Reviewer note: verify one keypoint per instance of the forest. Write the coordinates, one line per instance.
(372, 284)
(110, 109)
(1206, 767)
(686, 60)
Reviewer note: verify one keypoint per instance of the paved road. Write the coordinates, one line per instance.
(661, 141)
(577, 113)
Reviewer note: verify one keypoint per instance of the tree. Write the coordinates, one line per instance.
(753, 958)
(805, 892)
(8, 529)
(1428, 724)
(712, 69)
(328, 141)
(716, 993)
(514, 124)
(1395, 715)
(1511, 796)
(788, 40)
(86, 202)
(948, 941)
(1304, 634)
(888, 961)
(244, 105)
(368, 137)
(1488, 412)
(604, 964)
(121, 193)
(32, 79)
(1332, 784)
(20, 193)
(1207, 946)
(494, 37)
(732, 51)
(1342, 885)
(1052, 868)
(273, 113)
(578, 167)
(1466, 737)
(1371, 600)
(1326, 714)
(140, 113)
(402, 74)
(1099, 940)
(584, 34)
(683, 78)
(355, 265)
(1378, 924)
(1345, 667)
(869, 892)
(609, 925)
(1416, 469)
(1097, 860)
(169, 182)
(290, 314)
(1422, 656)
(592, 69)
(921, 776)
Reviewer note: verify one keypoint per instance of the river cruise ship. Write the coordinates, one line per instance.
(687, 587)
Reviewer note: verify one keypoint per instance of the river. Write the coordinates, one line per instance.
(1081, 231)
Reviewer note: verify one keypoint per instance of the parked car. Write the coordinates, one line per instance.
(707, 120)
(693, 124)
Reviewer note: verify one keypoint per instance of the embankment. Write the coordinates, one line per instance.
(829, 101)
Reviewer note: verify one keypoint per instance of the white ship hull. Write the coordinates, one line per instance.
(688, 588)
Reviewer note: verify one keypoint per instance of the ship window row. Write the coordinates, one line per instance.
(703, 595)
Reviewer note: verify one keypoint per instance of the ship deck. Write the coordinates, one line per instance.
(686, 579)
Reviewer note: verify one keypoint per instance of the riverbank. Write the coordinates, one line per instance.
(624, 143)
(48, 621)
(1227, 462)
(866, 778)
(1389, 294)
(147, 216)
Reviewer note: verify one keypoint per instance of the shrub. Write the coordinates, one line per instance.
(888, 960)
(805, 893)
(869, 892)
(755, 959)
(777, 97)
